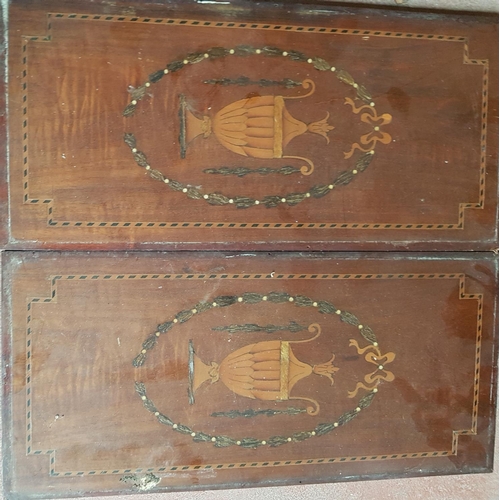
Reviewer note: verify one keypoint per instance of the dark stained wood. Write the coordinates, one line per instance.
(128, 372)
(74, 183)
(75, 424)
(4, 208)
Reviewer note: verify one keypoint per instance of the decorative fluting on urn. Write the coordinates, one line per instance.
(257, 127)
(267, 371)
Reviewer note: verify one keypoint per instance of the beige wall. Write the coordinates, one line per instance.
(478, 5)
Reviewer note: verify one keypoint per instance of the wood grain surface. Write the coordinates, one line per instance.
(260, 134)
(250, 128)
(97, 402)
(4, 207)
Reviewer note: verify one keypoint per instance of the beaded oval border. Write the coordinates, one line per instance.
(291, 199)
(183, 316)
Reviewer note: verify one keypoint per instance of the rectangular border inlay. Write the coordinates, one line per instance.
(49, 203)
(52, 298)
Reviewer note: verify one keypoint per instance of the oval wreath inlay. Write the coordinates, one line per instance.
(366, 144)
(220, 441)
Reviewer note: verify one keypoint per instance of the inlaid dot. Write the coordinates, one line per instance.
(238, 442)
(258, 51)
(175, 320)
(330, 186)
(134, 150)
(184, 190)
(147, 84)
(376, 129)
(372, 104)
(375, 390)
(333, 68)
(214, 304)
(290, 299)
(355, 85)
(264, 298)
(264, 442)
(157, 334)
(257, 202)
(308, 195)
(157, 413)
(175, 426)
(285, 53)
(309, 61)
(380, 367)
(360, 327)
(375, 344)
(315, 304)
(143, 398)
(336, 424)
(231, 51)
(214, 439)
(338, 311)
(372, 152)
(193, 434)
(165, 71)
(289, 439)
(166, 181)
(240, 299)
(231, 201)
(185, 61)
(206, 56)
(194, 311)
(134, 102)
(143, 351)
(354, 171)
(283, 200)
(358, 409)
(313, 433)
(205, 196)
(148, 167)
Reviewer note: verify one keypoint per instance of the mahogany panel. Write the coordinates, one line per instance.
(158, 372)
(249, 128)
(4, 207)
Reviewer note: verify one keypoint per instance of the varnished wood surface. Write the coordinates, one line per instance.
(78, 324)
(248, 346)
(4, 209)
(74, 183)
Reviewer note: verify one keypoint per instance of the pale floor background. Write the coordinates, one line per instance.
(478, 5)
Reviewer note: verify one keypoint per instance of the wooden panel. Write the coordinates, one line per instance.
(182, 371)
(220, 128)
(4, 207)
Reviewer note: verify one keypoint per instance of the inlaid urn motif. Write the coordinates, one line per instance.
(260, 378)
(257, 127)
(267, 371)
(260, 131)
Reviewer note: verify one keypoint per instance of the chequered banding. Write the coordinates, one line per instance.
(52, 222)
(52, 297)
